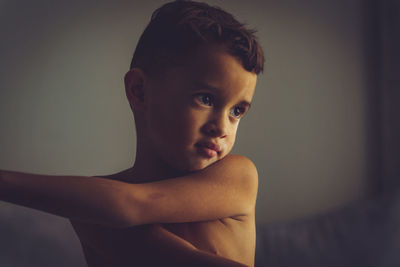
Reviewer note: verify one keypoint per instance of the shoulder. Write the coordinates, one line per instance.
(122, 176)
(244, 168)
(243, 173)
(241, 162)
(238, 171)
(236, 165)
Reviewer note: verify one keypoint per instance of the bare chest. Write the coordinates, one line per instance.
(225, 237)
(104, 246)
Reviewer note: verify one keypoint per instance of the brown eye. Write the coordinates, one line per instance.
(204, 99)
(237, 112)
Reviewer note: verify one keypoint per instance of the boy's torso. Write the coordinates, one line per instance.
(232, 238)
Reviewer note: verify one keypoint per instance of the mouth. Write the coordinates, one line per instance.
(208, 149)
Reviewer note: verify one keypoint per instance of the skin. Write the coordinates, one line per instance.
(202, 100)
(181, 204)
(172, 116)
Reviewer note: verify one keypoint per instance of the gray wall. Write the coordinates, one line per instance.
(313, 131)
(390, 100)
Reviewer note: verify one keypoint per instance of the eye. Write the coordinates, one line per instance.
(204, 99)
(238, 112)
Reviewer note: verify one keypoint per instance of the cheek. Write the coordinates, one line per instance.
(231, 142)
(190, 124)
(230, 139)
(175, 125)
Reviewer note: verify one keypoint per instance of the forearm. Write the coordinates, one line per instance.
(88, 199)
(194, 258)
(171, 250)
(201, 258)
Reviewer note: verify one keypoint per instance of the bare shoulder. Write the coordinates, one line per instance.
(234, 164)
(237, 169)
(122, 176)
(240, 162)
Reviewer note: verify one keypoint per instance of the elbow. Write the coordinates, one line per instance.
(129, 210)
(123, 219)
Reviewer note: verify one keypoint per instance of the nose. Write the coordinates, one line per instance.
(216, 126)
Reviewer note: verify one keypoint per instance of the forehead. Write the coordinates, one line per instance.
(213, 68)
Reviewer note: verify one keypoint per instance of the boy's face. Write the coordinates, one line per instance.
(193, 112)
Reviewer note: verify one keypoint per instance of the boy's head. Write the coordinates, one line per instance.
(192, 78)
(177, 28)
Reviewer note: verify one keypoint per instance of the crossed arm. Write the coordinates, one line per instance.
(175, 251)
(225, 189)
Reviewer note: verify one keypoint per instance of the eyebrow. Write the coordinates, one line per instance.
(245, 103)
(205, 85)
(212, 88)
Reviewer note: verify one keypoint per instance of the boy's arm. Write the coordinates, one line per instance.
(169, 249)
(76, 197)
(226, 188)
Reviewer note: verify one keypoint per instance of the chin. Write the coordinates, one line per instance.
(191, 163)
(202, 164)
(193, 166)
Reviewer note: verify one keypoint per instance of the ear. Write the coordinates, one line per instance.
(135, 83)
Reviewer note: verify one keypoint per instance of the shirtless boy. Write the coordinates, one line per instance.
(186, 201)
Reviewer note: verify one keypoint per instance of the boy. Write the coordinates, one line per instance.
(186, 201)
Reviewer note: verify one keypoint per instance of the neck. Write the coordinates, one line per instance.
(149, 168)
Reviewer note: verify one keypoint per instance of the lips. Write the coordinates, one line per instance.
(208, 149)
(209, 145)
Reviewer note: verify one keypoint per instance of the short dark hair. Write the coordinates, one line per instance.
(176, 28)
